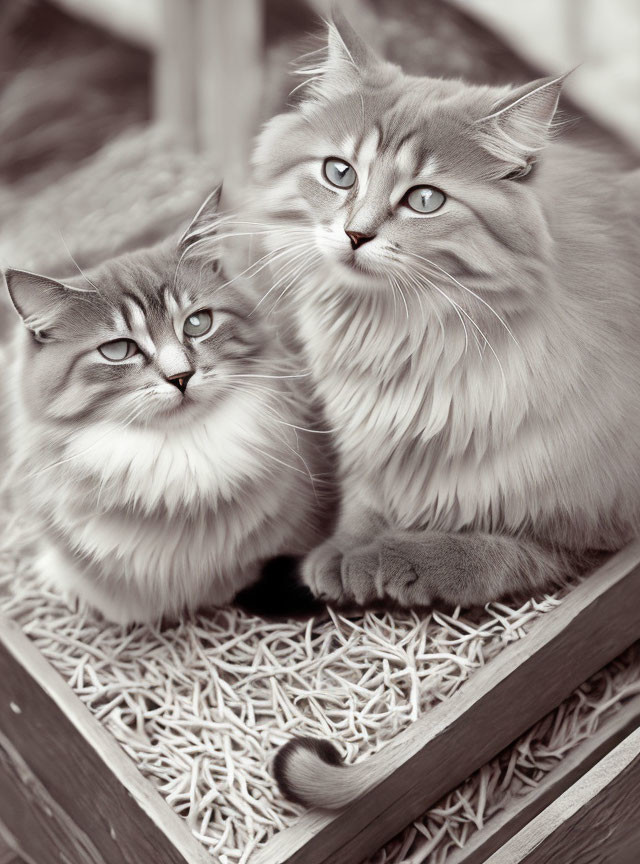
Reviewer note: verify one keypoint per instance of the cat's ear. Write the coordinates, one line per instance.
(521, 122)
(40, 301)
(349, 58)
(346, 46)
(204, 223)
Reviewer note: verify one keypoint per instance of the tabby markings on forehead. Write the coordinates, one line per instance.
(136, 324)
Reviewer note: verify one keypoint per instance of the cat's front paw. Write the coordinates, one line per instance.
(389, 569)
(343, 577)
(321, 573)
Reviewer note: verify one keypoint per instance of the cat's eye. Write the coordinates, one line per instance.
(118, 350)
(198, 323)
(339, 173)
(424, 199)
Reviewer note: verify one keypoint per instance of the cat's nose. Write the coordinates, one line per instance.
(180, 380)
(358, 238)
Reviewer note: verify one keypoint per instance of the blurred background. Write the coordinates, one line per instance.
(118, 116)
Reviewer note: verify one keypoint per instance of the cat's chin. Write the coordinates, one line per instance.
(359, 278)
(183, 413)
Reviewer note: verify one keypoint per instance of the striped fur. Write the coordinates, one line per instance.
(152, 502)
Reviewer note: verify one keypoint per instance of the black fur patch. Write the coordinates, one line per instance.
(280, 593)
(320, 747)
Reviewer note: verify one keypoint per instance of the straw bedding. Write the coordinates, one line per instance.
(201, 707)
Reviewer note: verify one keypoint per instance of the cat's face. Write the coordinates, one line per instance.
(389, 181)
(151, 338)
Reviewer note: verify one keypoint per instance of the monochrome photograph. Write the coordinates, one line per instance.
(320, 432)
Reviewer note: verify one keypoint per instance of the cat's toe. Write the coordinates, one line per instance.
(321, 573)
(360, 568)
(402, 579)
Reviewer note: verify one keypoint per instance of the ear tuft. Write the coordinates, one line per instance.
(204, 223)
(520, 123)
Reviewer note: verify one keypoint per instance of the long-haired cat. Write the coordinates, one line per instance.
(469, 304)
(155, 431)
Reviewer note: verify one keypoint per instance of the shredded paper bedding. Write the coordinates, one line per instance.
(202, 706)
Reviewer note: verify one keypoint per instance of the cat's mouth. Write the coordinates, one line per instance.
(356, 270)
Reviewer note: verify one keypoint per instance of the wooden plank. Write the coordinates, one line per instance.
(175, 85)
(68, 791)
(8, 855)
(230, 80)
(596, 820)
(520, 811)
(529, 678)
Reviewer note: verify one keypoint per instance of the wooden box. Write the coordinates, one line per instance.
(68, 792)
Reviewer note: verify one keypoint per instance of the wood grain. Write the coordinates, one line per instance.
(529, 678)
(596, 821)
(520, 811)
(68, 791)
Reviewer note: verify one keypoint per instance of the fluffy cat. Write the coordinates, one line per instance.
(469, 306)
(155, 431)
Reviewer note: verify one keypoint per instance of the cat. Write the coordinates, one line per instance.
(466, 290)
(159, 434)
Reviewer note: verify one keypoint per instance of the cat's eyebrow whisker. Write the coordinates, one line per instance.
(79, 268)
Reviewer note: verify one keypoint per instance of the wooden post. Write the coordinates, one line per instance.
(230, 80)
(175, 72)
(209, 77)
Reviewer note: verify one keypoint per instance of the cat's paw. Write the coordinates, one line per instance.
(360, 574)
(343, 578)
(389, 568)
(321, 573)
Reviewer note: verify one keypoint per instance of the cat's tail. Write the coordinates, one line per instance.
(310, 771)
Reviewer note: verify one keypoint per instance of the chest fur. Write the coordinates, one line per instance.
(431, 431)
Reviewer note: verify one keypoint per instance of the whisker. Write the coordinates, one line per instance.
(473, 294)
